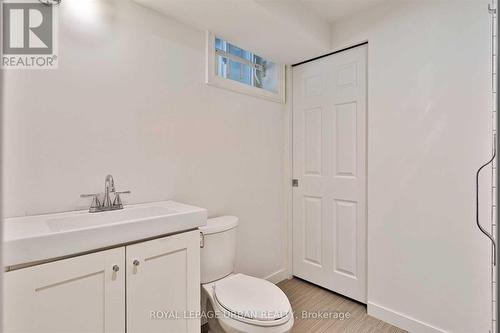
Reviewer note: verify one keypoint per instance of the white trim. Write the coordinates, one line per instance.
(278, 276)
(401, 320)
(288, 174)
(212, 79)
(367, 143)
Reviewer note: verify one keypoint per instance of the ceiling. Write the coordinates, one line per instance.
(285, 31)
(332, 10)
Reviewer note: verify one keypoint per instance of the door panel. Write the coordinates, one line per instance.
(313, 137)
(313, 230)
(329, 159)
(345, 238)
(166, 282)
(346, 140)
(81, 294)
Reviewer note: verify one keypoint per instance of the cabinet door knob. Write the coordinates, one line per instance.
(136, 262)
(116, 268)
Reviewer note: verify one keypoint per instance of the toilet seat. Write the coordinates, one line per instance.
(251, 300)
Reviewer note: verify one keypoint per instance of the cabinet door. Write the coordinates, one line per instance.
(81, 294)
(163, 284)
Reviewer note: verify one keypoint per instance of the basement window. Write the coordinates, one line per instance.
(231, 67)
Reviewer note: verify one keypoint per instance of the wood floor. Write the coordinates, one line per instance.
(314, 300)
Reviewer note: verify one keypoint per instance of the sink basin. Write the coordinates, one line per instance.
(103, 218)
(42, 237)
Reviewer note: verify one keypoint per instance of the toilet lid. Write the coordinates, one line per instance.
(251, 298)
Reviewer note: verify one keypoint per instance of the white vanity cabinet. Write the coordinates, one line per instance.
(80, 294)
(163, 285)
(113, 290)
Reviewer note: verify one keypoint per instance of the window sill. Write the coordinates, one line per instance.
(241, 88)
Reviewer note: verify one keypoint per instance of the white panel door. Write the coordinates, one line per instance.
(329, 160)
(163, 275)
(81, 294)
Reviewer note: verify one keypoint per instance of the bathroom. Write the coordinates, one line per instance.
(139, 90)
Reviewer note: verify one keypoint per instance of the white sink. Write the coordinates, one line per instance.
(42, 237)
(79, 221)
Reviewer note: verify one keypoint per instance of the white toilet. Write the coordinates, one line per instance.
(240, 302)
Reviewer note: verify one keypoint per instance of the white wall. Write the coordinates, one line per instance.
(429, 130)
(129, 99)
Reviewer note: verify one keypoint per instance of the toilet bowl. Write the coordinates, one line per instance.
(237, 302)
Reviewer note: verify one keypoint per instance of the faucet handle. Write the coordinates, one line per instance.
(95, 200)
(122, 192)
(118, 200)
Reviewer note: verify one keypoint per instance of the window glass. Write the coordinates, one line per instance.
(218, 43)
(235, 63)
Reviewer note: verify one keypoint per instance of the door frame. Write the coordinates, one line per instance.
(288, 143)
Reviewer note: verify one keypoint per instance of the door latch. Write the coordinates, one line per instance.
(295, 183)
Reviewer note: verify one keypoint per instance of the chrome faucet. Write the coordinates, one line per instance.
(109, 187)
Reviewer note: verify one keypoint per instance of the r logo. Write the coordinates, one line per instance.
(27, 28)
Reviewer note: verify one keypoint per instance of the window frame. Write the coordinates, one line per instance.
(214, 80)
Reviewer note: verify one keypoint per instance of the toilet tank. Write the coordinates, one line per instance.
(218, 251)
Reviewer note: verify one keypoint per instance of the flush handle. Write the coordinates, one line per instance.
(295, 183)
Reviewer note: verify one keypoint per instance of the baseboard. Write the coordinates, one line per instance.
(278, 276)
(400, 320)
